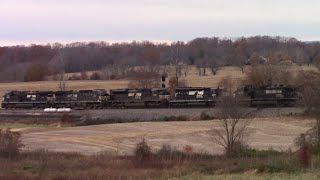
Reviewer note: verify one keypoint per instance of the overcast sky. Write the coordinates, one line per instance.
(47, 21)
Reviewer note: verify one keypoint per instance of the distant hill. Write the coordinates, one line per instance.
(311, 42)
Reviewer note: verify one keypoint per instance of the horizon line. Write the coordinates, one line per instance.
(12, 43)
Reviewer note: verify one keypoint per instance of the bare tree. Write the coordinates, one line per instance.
(263, 75)
(214, 66)
(311, 100)
(175, 83)
(229, 84)
(234, 121)
(62, 82)
(145, 77)
(176, 57)
(106, 73)
(312, 136)
(311, 88)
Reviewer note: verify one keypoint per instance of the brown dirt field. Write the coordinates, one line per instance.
(276, 133)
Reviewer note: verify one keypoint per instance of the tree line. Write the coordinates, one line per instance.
(34, 62)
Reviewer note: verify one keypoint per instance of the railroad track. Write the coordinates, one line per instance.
(142, 114)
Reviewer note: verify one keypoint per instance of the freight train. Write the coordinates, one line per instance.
(148, 98)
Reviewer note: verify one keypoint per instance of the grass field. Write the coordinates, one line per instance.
(21, 126)
(162, 163)
(265, 133)
(173, 165)
(306, 176)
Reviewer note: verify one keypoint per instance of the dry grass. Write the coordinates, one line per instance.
(276, 133)
(235, 73)
(21, 126)
(167, 163)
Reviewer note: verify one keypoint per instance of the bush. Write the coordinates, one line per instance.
(310, 139)
(304, 152)
(66, 119)
(75, 77)
(142, 153)
(286, 162)
(95, 76)
(169, 118)
(304, 156)
(188, 149)
(205, 116)
(84, 76)
(10, 143)
(248, 152)
(182, 118)
(175, 118)
(167, 152)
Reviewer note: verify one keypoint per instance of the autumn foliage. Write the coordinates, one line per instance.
(36, 72)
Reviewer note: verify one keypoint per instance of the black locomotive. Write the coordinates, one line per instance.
(158, 97)
(57, 99)
(270, 95)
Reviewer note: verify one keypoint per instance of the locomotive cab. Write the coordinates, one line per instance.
(102, 94)
(51, 98)
(6, 97)
(162, 93)
(5, 100)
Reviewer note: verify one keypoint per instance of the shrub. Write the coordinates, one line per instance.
(95, 76)
(66, 119)
(10, 143)
(112, 77)
(167, 152)
(75, 77)
(304, 155)
(84, 76)
(36, 72)
(310, 139)
(249, 152)
(238, 149)
(142, 153)
(304, 152)
(169, 118)
(275, 164)
(205, 116)
(188, 149)
(175, 118)
(182, 118)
